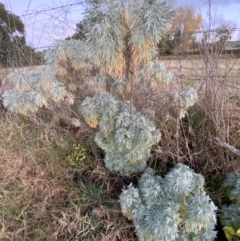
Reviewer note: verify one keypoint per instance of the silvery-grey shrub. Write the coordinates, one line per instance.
(173, 208)
(43, 85)
(121, 34)
(124, 134)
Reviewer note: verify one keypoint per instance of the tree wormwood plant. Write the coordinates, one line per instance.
(120, 37)
(43, 86)
(173, 208)
(186, 99)
(34, 89)
(122, 34)
(230, 215)
(125, 136)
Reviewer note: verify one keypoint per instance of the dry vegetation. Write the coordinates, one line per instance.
(43, 197)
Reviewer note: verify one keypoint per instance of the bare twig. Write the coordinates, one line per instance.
(221, 143)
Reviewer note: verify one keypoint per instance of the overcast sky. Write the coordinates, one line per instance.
(43, 28)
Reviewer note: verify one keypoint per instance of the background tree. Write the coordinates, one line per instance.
(80, 33)
(13, 48)
(185, 23)
(222, 35)
(9, 24)
(165, 45)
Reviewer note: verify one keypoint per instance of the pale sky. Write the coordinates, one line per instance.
(43, 28)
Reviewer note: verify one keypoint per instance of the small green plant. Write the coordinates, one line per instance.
(94, 195)
(231, 234)
(230, 215)
(172, 208)
(78, 156)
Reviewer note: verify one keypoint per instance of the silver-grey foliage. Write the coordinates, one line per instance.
(34, 89)
(186, 99)
(119, 34)
(42, 86)
(118, 30)
(73, 51)
(155, 71)
(125, 136)
(172, 208)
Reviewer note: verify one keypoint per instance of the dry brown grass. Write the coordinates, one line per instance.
(43, 198)
(194, 65)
